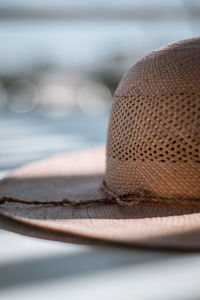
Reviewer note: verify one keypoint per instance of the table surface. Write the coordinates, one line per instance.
(37, 269)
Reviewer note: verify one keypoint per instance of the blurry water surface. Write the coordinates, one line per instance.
(87, 44)
(31, 137)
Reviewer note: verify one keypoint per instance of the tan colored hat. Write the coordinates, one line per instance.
(148, 194)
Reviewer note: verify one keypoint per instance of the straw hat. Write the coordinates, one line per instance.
(148, 191)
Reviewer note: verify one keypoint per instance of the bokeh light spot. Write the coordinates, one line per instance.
(23, 96)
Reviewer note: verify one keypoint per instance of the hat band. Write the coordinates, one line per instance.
(140, 195)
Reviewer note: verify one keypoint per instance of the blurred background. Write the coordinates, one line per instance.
(60, 62)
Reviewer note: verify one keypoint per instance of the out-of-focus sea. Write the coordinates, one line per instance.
(28, 137)
(85, 44)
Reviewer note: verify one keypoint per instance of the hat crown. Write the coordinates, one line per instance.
(154, 129)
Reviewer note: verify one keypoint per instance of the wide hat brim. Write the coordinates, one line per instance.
(35, 201)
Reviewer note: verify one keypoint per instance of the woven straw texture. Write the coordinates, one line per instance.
(153, 142)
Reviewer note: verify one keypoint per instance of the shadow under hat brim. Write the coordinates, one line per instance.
(32, 204)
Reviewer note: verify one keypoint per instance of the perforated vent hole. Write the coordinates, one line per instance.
(162, 128)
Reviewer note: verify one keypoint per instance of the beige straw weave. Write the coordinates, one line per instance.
(153, 142)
